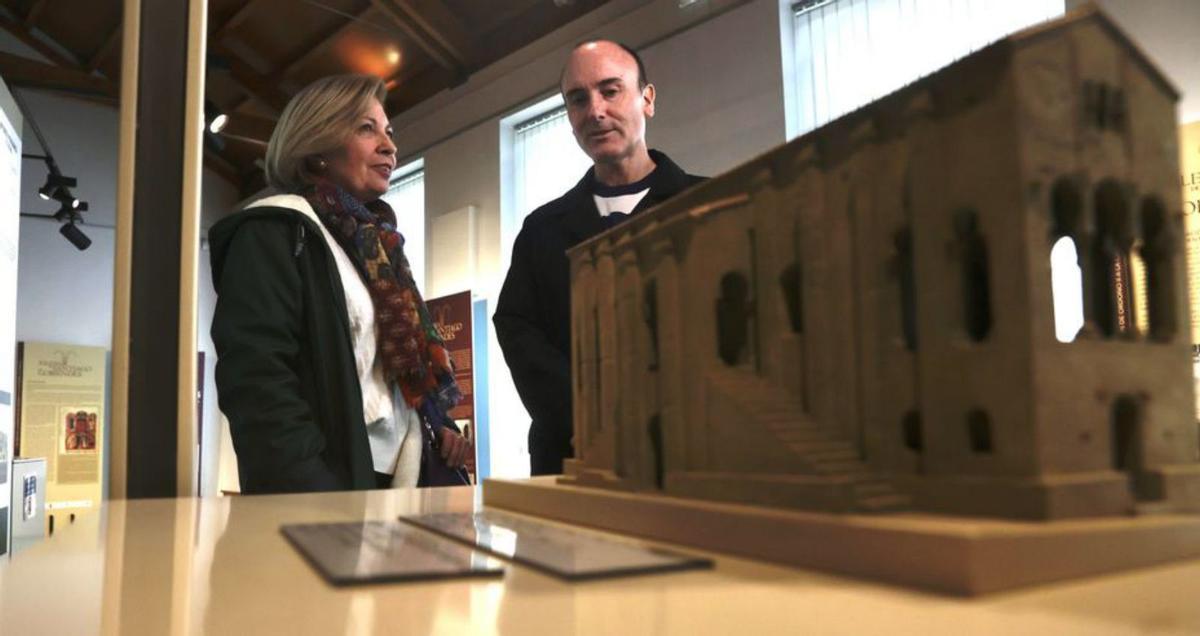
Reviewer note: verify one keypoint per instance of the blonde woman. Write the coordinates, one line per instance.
(328, 366)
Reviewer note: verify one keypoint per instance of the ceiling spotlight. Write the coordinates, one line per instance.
(54, 181)
(393, 56)
(214, 117)
(76, 236)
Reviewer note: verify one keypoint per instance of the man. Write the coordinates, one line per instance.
(608, 101)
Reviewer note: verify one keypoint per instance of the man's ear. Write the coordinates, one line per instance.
(648, 100)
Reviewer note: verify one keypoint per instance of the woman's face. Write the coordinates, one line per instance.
(363, 164)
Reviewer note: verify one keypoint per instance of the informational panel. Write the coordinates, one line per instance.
(1189, 178)
(452, 317)
(11, 123)
(63, 420)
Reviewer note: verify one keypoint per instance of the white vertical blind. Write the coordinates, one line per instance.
(407, 198)
(849, 52)
(547, 161)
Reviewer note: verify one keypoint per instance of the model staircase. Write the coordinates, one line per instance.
(818, 451)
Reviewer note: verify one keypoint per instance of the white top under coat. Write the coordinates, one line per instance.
(387, 420)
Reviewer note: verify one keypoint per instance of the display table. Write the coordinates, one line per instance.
(193, 566)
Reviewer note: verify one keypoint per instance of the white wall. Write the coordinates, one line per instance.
(63, 294)
(1168, 31)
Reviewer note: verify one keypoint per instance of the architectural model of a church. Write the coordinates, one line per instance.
(862, 320)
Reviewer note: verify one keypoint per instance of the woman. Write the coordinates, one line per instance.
(328, 366)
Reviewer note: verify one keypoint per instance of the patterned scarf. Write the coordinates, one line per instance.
(414, 356)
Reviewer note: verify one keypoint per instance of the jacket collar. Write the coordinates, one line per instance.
(583, 219)
(288, 201)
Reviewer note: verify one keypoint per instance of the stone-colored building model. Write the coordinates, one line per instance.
(863, 319)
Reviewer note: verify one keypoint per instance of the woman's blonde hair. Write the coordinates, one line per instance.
(317, 120)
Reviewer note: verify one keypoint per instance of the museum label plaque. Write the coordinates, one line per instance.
(383, 551)
(567, 553)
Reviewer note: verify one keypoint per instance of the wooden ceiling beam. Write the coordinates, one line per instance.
(436, 19)
(27, 73)
(25, 35)
(414, 32)
(234, 21)
(417, 88)
(34, 13)
(105, 50)
(251, 81)
(508, 36)
(317, 45)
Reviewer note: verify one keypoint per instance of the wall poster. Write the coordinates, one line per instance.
(452, 317)
(1189, 179)
(62, 419)
(11, 123)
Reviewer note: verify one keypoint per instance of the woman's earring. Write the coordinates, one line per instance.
(318, 165)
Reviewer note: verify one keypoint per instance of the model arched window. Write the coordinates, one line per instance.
(976, 289)
(979, 431)
(1157, 249)
(1111, 290)
(650, 315)
(789, 283)
(1066, 273)
(733, 317)
(907, 278)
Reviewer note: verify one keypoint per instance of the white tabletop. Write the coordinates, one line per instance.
(196, 566)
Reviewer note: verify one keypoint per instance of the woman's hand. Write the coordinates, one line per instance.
(456, 450)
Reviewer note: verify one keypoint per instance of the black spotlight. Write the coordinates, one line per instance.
(55, 181)
(75, 236)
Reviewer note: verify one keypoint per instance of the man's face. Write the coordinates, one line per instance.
(607, 110)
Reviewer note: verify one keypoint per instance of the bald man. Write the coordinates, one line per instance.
(609, 101)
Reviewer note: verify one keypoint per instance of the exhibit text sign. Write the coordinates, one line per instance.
(452, 317)
(10, 208)
(1189, 179)
(63, 419)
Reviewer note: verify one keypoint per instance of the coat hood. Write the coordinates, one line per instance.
(285, 207)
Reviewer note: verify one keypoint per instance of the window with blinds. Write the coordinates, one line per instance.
(407, 198)
(546, 160)
(847, 53)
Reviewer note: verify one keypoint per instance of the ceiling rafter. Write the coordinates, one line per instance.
(105, 50)
(253, 83)
(442, 25)
(22, 33)
(27, 73)
(417, 34)
(419, 86)
(34, 13)
(318, 44)
(234, 21)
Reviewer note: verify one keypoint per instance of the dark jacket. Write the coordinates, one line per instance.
(533, 314)
(286, 376)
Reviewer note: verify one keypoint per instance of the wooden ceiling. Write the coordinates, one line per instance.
(261, 52)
